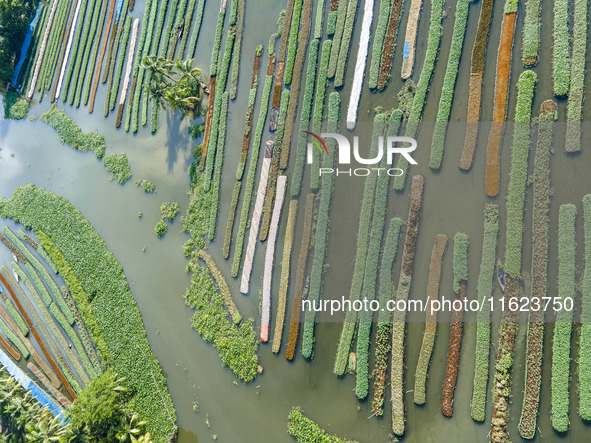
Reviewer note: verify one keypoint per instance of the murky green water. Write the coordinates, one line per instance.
(453, 202)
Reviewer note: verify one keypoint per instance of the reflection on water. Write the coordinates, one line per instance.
(453, 201)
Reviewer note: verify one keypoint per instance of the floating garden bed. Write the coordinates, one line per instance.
(540, 226)
(377, 46)
(344, 49)
(531, 32)
(430, 321)
(337, 37)
(128, 73)
(561, 62)
(585, 342)
(115, 77)
(389, 43)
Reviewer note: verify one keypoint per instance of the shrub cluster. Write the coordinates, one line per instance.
(71, 134)
(146, 185)
(118, 166)
(14, 107)
(219, 162)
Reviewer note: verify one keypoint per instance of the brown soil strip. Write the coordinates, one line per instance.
(131, 94)
(208, 119)
(399, 317)
(472, 121)
(45, 381)
(334, 4)
(296, 310)
(15, 354)
(389, 43)
(284, 279)
(99, 67)
(500, 105)
(411, 37)
(110, 50)
(282, 53)
(453, 355)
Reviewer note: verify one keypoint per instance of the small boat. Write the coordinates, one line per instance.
(16, 277)
(306, 288)
(501, 275)
(273, 118)
(15, 258)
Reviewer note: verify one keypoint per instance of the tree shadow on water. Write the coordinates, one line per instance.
(177, 139)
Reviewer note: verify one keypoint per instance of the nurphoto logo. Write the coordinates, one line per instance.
(387, 146)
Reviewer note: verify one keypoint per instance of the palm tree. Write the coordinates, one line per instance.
(131, 429)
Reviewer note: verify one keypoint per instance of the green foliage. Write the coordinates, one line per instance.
(250, 178)
(321, 231)
(420, 98)
(585, 342)
(345, 43)
(146, 185)
(14, 339)
(118, 166)
(100, 276)
(237, 51)
(363, 235)
(318, 21)
(449, 83)
(306, 111)
(511, 6)
(380, 202)
(93, 55)
(120, 62)
(280, 21)
(336, 40)
(561, 49)
(484, 287)
(378, 43)
(196, 29)
(219, 162)
(71, 134)
(479, 48)
(161, 228)
(14, 107)
(331, 23)
(235, 343)
(574, 113)
(531, 32)
(460, 260)
(169, 210)
(305, 430)
(563, 326)
(252, 95)
(294, 32)
(217, 43)
(16, 316)
(231, 218)
(518, 175)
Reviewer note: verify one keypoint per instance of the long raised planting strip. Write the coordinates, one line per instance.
(252, 168)
(420, 98)
(177, 29)
(377, 46)
(485, 283)
(561, 49)
(402, 293)
(237, 50)
(115, 52)
(365, 215)
(113, 305)
(345, 47)
(431, 319)
(321, 231)
(513, 254)
(196, 30)
(128, 73)
(386, 293)
(337, 37)
(296, 310)
(270, 257)
(574, 112)
(475, 88)
(53, 47)
(67, 66)
(369, 289)
(460, 265)
(389, 43)
(119, 18)
(332, 18)
(449, 83)
(531, 32)
(115, 78)
(502, 78)
(410, 38)
(540, 225)
(360, 64)
(284, 278)
(292, 43)
(567, 247)
(585, 342)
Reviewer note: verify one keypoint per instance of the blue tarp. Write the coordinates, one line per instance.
(118, 8)
(28, 384)
(406, 49)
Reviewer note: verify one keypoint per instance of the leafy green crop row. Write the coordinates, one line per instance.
(585, 342)
(219, 162)
(378, 43)
(389, 43)
(321, 231)
(484, 290)
(518, 175)
(336, 39)
(531, 32)
(71, 134)
(217, 43)
(339, 77)
(372, 266)
(120, 62)
(449, 83)
(574, 113)
(567, 248)
(237, 50)
(250, 178)
(363, 232)
(561, 49)
(14, 339)
(420, 98)
(118, 319)
(98, 36)
(196, 28)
